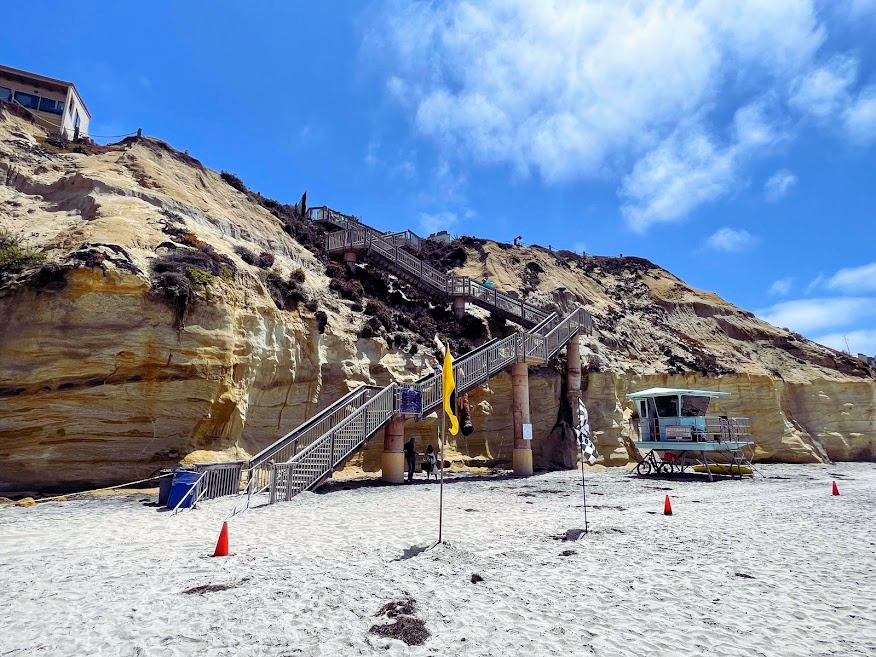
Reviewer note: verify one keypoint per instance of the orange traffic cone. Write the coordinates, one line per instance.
(667, 507)
(835, 490)
(222, 543)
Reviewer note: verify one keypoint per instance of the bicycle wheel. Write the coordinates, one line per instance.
(643, 468)
(666, 468)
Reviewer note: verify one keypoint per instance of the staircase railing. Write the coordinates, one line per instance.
(316, 461)
(307, 455)
(305, 435)
(479, 294)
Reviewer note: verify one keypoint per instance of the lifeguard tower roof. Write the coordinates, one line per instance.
(656, 392)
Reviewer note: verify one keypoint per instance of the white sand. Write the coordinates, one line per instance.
(106, 576)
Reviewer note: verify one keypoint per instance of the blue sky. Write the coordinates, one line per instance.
(731, 143)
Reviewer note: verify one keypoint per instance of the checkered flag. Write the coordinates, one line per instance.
(588, 449)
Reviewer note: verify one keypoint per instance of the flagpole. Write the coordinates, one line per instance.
(441, 470)
(583, 486)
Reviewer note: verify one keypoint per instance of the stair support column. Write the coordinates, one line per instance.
(459, 307)
(573, 376)
(521, 457)
(392, 462)
(350, 259)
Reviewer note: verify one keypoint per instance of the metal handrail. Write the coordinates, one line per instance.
(305, 434)
(310, 466)
(218, 479)
(367, 238)
(309, 453)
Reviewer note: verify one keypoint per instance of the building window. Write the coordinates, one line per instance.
(49, 105)
(28, 100)
(5, 93)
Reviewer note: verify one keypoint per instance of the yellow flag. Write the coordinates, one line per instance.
(449, 391)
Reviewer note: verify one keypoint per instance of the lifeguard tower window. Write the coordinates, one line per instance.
(643, 408)
(667, 406)
(694, 406)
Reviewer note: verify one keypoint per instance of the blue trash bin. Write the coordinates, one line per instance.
(183, 482)
(164, 485)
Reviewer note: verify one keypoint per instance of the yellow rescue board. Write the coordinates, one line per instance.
(718, 468)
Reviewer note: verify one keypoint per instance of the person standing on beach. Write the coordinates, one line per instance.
(410, 458)
(429, 465)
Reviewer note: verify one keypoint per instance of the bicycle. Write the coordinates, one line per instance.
(650, 464)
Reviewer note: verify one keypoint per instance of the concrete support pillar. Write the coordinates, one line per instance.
(521, 457)
(350, 259)
(459, 307)
(573, 376)
(392, 463)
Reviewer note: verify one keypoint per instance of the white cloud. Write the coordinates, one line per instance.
(815, 283)
(372, 158)
(863, 8)
(806, 315)
(823, 90)
(677, 176)
(574, 89)
(781, 287)
(432, 223)
(731, 240)
(861, 341)
(778, 184)
(688, 169)
(854, 279)
(860, 117)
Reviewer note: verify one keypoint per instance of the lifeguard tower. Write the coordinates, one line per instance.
(673, 425)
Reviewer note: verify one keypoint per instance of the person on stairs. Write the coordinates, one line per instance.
(410, 458)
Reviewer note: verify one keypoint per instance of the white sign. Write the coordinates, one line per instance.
(527, 432)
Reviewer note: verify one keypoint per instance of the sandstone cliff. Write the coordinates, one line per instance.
(159, 313)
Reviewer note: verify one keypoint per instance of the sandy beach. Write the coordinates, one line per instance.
(769, 566)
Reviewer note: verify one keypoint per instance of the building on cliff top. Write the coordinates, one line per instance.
(55, 103)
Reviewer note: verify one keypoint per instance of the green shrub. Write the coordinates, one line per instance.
(285, 293)
(234, 181)
(177, 273)
(199, 276)
(379, 310)
(266, 260)
(15, 255)
(245, 254)
(349, 290)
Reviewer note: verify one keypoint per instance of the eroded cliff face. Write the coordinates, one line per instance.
(104, 380)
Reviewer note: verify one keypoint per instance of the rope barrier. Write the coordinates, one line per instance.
(97, 490)
(42, 119)
(128, 134)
